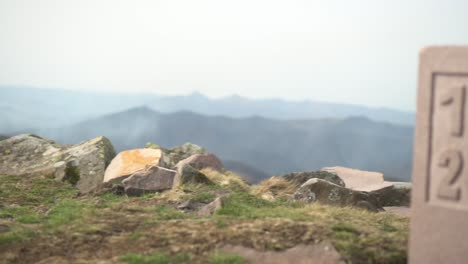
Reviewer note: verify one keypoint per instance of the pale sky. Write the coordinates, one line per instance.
(361, 52)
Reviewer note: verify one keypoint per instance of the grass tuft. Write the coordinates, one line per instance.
(226, 258)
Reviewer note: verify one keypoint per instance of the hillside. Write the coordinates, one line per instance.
(84, 203)
(272, 146)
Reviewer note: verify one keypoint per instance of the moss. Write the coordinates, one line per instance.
(226, 258)
(72, 174)
(152, 145)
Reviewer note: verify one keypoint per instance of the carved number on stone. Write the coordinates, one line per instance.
(456, 97)
(453, 160)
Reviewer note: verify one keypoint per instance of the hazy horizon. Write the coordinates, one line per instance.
(327, 51)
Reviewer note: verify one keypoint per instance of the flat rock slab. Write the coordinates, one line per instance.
(82, 164)
(359, 180)
(322, 253)
(128, 162)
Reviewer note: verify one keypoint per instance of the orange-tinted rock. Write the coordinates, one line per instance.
(130, 161)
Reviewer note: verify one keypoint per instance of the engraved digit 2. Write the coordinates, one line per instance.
(456, 96)
(453, 160)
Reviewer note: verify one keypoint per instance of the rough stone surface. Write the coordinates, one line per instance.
(329, 193)
(172, 156)
(398, 194)
(130, 161)
(188, 174)
(82, 164)
(359, 180)
(300, 178)
(322, 253)
(439, 202)
(202, 161)
(149, 180)
(211, 208)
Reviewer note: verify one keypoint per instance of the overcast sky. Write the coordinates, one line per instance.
(361, 52)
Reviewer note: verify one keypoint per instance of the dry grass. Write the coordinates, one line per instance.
(274, 188)
(227, 179)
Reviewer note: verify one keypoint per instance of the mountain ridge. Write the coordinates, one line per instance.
(270, 146)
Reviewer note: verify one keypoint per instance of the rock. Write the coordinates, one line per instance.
(359, 180)
(398, 194)
(300, 178)
(172, 156)
(321, 253)
(215, 205)
(211, 208)
(202, 161)
(188, 174)
(128, 162)
(329, 193)
(82, 164)
(150, 180)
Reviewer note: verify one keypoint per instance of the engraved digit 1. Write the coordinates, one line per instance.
(453, 160)
(456, 96)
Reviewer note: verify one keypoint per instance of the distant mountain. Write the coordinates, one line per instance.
(241, 107)
(259, 144)
(25, 108)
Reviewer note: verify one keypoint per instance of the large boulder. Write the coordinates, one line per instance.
(128, 162)
(188, 174)
(359, 180)
(150, 180)
(299, 178)
(398, 194)
(329, 193)
(172, 156)
(202, 161)
(82, 164)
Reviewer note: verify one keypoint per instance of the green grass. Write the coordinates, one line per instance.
(203, 197)
(243, 205)
(226, 258)
(16, 190)
(22, 214)
(168, 213)
(64, 213)
(155, 258)
(44, 210)
(16, 235)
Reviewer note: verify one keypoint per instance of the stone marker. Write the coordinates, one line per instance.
(439, 217)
